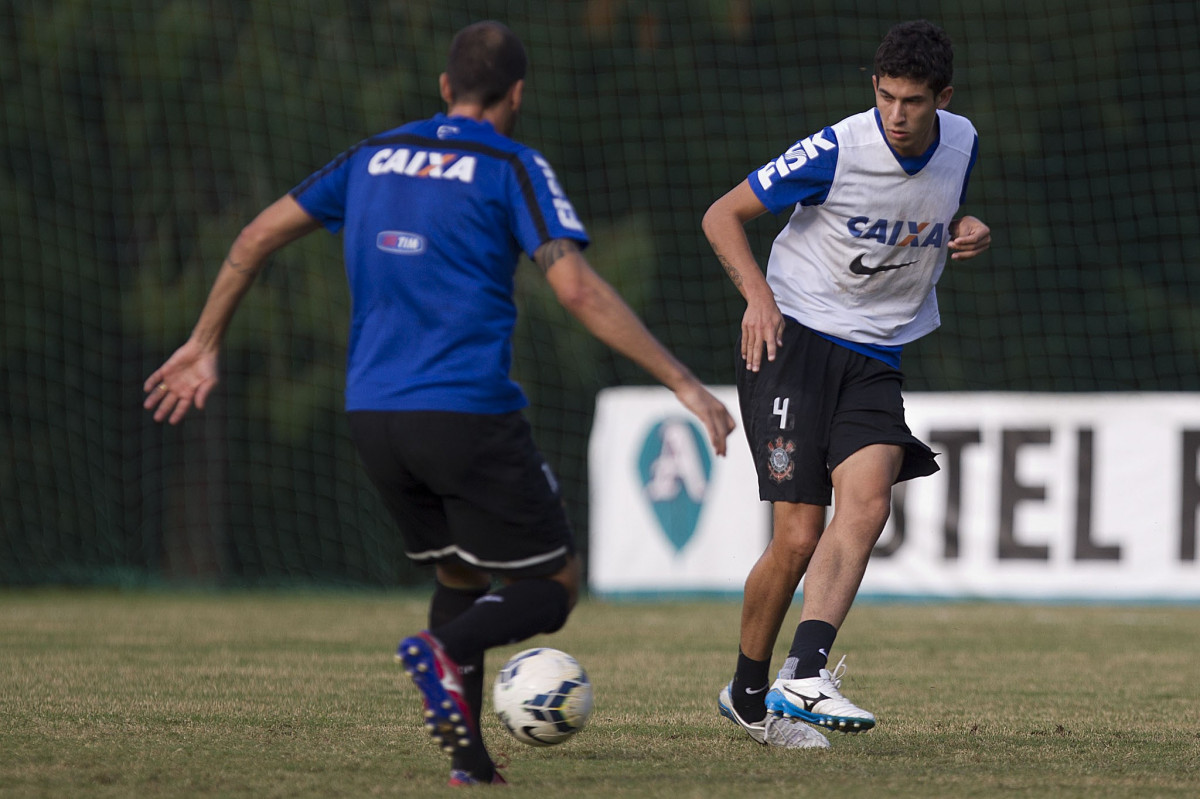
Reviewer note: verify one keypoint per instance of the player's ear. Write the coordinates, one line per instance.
(516, 94)
(444, 87)
(943, 98)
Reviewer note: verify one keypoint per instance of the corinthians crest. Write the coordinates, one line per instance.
(779, 459)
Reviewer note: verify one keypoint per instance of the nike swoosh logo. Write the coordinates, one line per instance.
(753, 691)
(531, 733)
(859, 268)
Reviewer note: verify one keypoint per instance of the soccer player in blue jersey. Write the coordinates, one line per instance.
(850, 280)
(434, 216)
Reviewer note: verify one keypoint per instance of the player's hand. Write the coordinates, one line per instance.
(183, 381)
(762, 328)
(970, 238)
(709, 410)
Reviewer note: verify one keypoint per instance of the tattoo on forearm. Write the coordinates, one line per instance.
(552, 250)
(238, 266)
(734, 275)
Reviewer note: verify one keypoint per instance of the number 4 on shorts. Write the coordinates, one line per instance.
(781, 410)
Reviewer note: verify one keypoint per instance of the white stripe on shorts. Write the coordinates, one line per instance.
(430, 554)
(479, 563)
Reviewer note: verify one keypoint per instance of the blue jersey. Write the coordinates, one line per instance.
(435, 215)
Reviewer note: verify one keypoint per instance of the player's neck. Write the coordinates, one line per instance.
(473, 111)
(501, 118)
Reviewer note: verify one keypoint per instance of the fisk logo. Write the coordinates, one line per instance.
(796, 156)
(400, 242)
(566, 212)
(675, 466)
(898, 232)
(423, 164)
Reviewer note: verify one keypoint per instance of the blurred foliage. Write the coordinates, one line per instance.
(137, 137)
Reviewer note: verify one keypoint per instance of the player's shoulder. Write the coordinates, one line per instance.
(956, 131)
(386, 140)
(856, 129)
(956, 124)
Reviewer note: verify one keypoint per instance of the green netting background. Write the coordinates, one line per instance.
(137, 137)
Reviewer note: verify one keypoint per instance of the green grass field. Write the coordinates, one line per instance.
(285, 694)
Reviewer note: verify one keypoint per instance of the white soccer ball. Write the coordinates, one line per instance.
(543, 696)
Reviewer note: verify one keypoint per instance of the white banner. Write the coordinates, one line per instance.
(1040, 496)
(666, 514)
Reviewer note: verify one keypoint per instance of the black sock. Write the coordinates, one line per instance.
(513, 613)
(749, 689)
(810, 650)
(448, 604)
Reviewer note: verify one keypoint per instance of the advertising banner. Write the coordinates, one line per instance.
(666, 514)
(1040, 496)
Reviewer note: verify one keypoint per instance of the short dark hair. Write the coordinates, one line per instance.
(919, 50)
(486, 59)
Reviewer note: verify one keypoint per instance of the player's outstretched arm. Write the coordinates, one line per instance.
(190, 374)
(724, 225)
(605, 314)
(969, 237)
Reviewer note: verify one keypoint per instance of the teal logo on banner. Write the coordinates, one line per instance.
(674, 465)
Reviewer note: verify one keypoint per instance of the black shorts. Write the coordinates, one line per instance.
(471, 487)
(814, 406)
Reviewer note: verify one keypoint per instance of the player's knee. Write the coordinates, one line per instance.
(880, 510)
(558, 606)
(570, 578)
(789, 561)
(543, 602)
(795, 542)
(868, 513)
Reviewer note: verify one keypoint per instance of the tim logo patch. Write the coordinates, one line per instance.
(399, 242)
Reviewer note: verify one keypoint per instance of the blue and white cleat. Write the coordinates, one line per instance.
(447, 716)
(772, 730)
(817, 700)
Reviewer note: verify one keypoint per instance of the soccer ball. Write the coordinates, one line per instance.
(543, 696)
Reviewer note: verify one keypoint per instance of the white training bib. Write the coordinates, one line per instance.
(863, 264)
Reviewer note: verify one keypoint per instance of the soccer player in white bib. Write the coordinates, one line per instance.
(850, 280)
